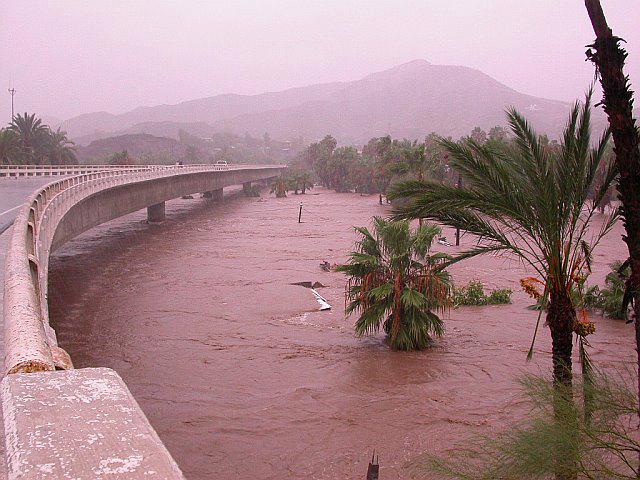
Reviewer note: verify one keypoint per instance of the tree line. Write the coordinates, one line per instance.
(28, 141)
(384, 161)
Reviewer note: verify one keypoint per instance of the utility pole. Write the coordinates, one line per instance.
(12, 91)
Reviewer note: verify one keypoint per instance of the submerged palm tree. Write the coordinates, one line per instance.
(530, 201)
(396, 284)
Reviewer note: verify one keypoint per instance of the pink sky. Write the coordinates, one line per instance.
(67, 57)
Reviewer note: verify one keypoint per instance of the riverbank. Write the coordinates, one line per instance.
(243, 377)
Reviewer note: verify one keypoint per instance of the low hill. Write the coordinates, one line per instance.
(158, 129)
(137, 145)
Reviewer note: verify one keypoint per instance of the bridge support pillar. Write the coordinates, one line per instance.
(155, 213)
(216, 195)
(246, 188)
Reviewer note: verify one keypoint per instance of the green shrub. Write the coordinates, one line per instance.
(473, 294)
(611, 296)
(609, 299)
(500, 297)
(593, 298)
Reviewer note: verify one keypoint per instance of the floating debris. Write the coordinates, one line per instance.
(324, 305)
(443, 241)
(309, 284)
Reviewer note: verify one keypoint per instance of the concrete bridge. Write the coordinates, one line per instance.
(66, 423)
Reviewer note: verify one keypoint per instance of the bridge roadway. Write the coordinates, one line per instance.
(60, 422)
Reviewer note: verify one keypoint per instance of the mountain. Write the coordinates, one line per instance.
(410, 100)
(210, 109)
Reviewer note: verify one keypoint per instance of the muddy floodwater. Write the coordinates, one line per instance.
(243, 377)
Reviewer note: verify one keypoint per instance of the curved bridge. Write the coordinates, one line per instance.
(52, 216)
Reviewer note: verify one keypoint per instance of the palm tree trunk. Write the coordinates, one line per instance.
(397, 311)
(609, 59)
(561, 315)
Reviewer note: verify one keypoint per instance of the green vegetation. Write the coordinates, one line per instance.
(381, 161)
(279, 187)
(585, 434)
(384, 161)
(473, 294)
(530, 201)
(120, 158)
(396, 284)
(27, 141)
(611, 299)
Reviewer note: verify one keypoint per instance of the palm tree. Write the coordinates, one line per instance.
(529, 201)
(416, 161)
(279, 187)
(305, 181)
(32, 136)
(395, 283)
(609, 58)
(8, 147)
(61, 149)
(337, 169)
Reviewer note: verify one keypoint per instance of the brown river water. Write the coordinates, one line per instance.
(243, 377)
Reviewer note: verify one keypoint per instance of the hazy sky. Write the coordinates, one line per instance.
(67, 57)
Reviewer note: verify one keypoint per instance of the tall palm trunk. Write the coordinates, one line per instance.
(561, 315)
(609, 59)
(397, 317)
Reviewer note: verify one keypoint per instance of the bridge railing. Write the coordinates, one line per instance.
(15, 171)
(30, 343)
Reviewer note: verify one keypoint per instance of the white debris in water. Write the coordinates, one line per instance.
(324, 305)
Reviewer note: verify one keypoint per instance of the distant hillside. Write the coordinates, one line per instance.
(136, 145)
(207, 110)
(410, 100)
(146, 148)
(159, 129)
